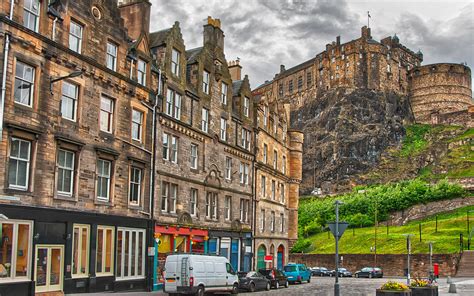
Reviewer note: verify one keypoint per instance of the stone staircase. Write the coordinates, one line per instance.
(466, 265)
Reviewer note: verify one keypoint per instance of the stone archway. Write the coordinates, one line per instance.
(280, 257)
(261, 252)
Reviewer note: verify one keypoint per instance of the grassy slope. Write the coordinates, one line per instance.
(446, 240)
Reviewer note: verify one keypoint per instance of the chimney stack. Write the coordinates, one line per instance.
(235, 70)
(213, 33)
(366, 33)
(136, 16)
(282, 68)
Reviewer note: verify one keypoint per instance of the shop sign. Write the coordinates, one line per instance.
(151, 251)
(268, 258)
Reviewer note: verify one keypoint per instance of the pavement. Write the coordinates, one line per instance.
(325, 286)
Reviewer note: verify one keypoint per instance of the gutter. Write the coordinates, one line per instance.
(4, 80)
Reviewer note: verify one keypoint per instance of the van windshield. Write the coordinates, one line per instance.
(290, 268)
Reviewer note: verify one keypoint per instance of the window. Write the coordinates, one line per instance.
(265, 153)
(275, 129)
(104, 168)
(205, 82)
(204, 120)
(19, 164)
(224, 93)
(105, 250)
(65, 167)
(265, 116)
(223, 129)
(227, 207)
(290, 86)
(130, 253)
(193, 202)
(244, 173)
(174, 149)
(211, 205)
(246, 106)
(262, 220)
(273, 189)
(275, 159)
(137, 125)
(177, 106)
(300, 82)
(175, 61)
(24, 84)
(280, 89)
(169, 193)
(75, 37)
(141, 72)
(282, 193)
(80, 250)
(245, 138)
(283, 165)
(263, 186)
(31, 14)
(69, 100)
(106, 114)
(135, 186)
(16, 249)
(282, 223)
(228, 168)
(173, 104)
(309, 79)
(194, 156)
(111, 56)
(272, 221)
(166, 151)
(244, 210)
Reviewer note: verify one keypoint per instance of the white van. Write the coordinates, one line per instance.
(199, 274)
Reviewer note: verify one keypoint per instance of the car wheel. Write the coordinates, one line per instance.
(252, 287)
(287, 284)
(235, 290)
(268, 287)
(277, 285)
(370, 275)
(200, 291)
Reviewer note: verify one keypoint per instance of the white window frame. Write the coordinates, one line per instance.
(165, 192)
(135, 183)
(81, 228)
(137, 231)
(205, 81)
(174, 149)
(166, 146)
(265, 116)
(19, 159)
(246, 107)
(108, 177)
(223, 129)
(175, 62)
(111, 56)
(263, 186)
(224, 89)
(67, 98)
(244, 209)
(169, 102)
(177, 106)
(137, 125)
(104, 247)
(227, 207)
(265, 153)
(205, 120)
(246, 174)
(14, 250)
(65, 168)
(141, 72)
(282, 222)
(194, 156)
(228, 168)
(108, 114)
(275, 159)
(193, 202)
(78, 37)
(272, 221)
(23, 81)
(273, 189)
(211, 205)
(27, 11)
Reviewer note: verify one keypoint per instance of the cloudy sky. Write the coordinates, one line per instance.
(267, 33)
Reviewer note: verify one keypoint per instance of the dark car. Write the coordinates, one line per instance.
(319, 271)
(369, 272)
(342, 272)
(253, 281)
(277, 277)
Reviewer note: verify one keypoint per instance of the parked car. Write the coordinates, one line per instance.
(319, 271)
(198, 274)
(277, 277)
(297, 273)
(342, 272)
(369, 272)
(253, 281)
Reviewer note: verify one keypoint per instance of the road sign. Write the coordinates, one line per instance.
(268, 258)
(342, 228)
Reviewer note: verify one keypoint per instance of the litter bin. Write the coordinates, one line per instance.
(436, 270)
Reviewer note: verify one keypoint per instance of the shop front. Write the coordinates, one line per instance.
(174, 239)
(235, 246)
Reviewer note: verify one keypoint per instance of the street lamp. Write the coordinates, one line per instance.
(408, 256)
(56, 79)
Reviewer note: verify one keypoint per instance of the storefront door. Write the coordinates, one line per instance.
(49, 260)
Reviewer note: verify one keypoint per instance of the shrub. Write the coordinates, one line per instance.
(394, 286)
(302, 245)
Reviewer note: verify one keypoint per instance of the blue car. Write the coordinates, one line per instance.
(297, 273)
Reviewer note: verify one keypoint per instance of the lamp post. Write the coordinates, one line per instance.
(431, 259)
(53, 80)
(408, 236)
(337, 228)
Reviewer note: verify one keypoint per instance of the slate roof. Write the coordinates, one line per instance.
(158, 38)
(192, 54)
(236, 85)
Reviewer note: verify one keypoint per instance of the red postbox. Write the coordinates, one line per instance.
(436, 269)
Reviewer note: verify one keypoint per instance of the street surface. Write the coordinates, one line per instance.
(325, 285)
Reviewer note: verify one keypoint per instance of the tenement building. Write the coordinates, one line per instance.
(278, 175)
(205, 152)
(75, 146)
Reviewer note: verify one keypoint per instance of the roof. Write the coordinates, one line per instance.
(236, 85)
(192, 54)
(158, 38)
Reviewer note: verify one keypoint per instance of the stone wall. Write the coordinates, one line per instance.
(391, 264)
(424, 210)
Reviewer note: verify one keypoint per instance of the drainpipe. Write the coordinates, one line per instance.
(53, 37)
(254, 197)
(12, 4)
(4, 78)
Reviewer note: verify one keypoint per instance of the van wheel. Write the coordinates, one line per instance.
(277, 285)
(287, 284)
(200, 291)
(268, 287)
(252, 287)
(235, 289)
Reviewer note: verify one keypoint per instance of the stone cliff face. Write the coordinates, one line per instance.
(346, 132)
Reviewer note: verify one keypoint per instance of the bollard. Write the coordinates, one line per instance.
(449, 281)
(452, 288)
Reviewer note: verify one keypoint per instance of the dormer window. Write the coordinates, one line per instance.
(111, 56)
(175, 60)
(141, 72)
(205, 82)
(31, 14)
(246, 106)
(75, 37)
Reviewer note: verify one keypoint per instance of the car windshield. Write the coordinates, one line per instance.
(324, 268)
(377, 269)
(265, 271)
(290, 268)
(253, 274)
(342, 269)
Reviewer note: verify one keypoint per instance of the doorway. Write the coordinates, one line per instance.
(49, 260)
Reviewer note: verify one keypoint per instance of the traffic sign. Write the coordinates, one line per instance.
(342, 228)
